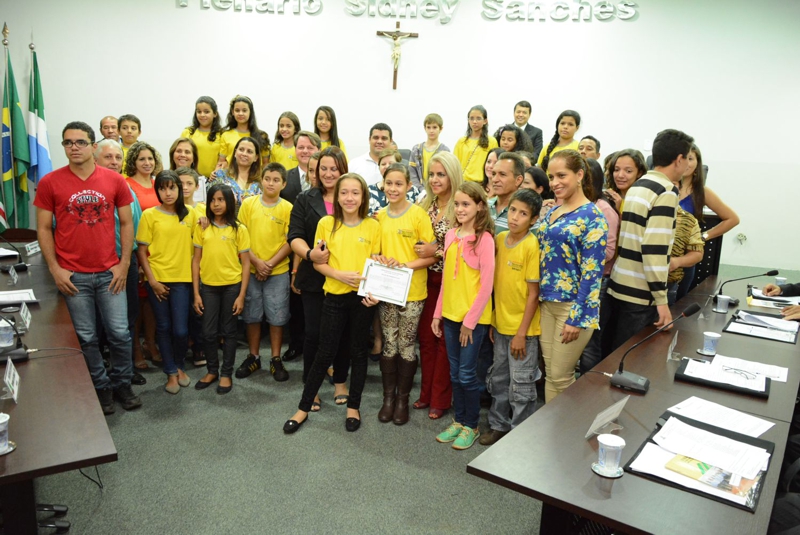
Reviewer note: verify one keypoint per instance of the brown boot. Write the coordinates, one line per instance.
(405, 371)
(389, 374)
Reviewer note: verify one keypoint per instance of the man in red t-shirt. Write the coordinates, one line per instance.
(81, 255)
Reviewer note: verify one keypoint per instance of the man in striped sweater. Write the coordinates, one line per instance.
(638, 285)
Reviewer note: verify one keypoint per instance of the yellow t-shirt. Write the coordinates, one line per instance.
(199, 209)
(228, 141)
(398, 236)
(282, 155)
(221, 246)
(169, 243)
(426, 159)
(207, 151)
(514, 268)
(326, 144)
(473, 157)
(268, 227)
(461, 290)
(573, 146)
(349, 246)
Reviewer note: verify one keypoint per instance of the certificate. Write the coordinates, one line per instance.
(385, 283)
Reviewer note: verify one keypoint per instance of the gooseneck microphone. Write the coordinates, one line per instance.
(21, 266)
(637, 383)
(16, 352)
(735, 302)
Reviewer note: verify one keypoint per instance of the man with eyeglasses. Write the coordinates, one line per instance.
(82, 257)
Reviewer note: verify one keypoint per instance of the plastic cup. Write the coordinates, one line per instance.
(6, 333)
(710, 341)
(722, 304)
(609, 455)
(780, 281)
(4, 431)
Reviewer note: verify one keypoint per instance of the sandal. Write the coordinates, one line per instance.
(154, 356)
(420, 405)
(315, 406)
(341, 399)
(435, 414)
(141, 365)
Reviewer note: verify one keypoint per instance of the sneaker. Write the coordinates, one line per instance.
(198, 358)
(127, 398)
(487, 439)
(449, 434)
(106, 398)
(250, 364)
(277, 370)
(466, 438)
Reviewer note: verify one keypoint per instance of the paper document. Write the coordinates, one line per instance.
(7, 252)
(776, 373)
(722, 452)
(758, 294)
(17, 296)
(726, 375)
(767, 333)
(753, 302)
(766, 321)
(718, 415)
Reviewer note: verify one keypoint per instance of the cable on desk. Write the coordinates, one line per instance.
(98, 482)
(73, 349)
(601, 373)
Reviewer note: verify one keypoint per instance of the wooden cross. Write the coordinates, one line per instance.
(396, 36)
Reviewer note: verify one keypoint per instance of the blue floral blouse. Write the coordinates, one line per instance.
(220, 176)
(573, 251)
(377, 198)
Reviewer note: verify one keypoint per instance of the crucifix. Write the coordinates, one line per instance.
(396, 36)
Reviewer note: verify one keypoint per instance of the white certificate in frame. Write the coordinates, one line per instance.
(387, 284)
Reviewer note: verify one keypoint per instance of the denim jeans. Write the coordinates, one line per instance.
(219, 321)
(132, 297)
(626, 320)
(312, 310)
(93, 292)
(340, 314)
(512, 383)
(464, 372)
(593, 352)
(172, 324)
(672, 292)
(686, 284)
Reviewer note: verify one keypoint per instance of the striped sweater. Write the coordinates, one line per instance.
(645, 240)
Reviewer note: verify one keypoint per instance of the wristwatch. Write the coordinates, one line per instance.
(308, 255)
(705, 236)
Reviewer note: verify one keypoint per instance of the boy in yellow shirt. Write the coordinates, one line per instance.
(267, 218)
(516, 328)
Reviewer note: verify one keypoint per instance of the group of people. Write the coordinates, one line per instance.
(516, 249)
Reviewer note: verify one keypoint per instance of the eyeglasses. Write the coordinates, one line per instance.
(82, 143)
(744, 373)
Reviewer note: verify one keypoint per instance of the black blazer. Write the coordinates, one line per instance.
(308, 209)
(790, 290)
(536, 137)
(293, 187)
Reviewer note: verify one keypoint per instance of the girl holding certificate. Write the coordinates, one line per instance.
(403, 227)
(351, 237)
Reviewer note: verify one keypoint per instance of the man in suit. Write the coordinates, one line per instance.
(305, 144)
(522, 112)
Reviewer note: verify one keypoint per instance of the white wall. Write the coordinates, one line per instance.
(725, 72)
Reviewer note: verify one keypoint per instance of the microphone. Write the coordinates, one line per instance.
(21, 266)
(17, 353)
(637, 383)
(735, 302)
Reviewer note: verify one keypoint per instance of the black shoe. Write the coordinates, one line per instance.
(138, 379)
(222, 390)
(106, 398)
(198, 358)
(352, 424)
(127, 398)
(291, 355)
(291, 426)
(277, 370)
(250, 364)
(200, 385)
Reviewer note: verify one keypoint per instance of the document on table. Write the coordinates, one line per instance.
(724, 453)
(766, 321)
(6, 252)
(17, 296)
(720, 416)
(758, 294)
(389, 284)
(776, 373)
(725, 375)
(767, 333)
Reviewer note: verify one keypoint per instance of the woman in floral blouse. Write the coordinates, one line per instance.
(244, 173)
(572, 238)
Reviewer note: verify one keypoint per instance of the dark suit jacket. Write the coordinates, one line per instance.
(293, 187)
(308, 209)
(536, 137)
(790, 290)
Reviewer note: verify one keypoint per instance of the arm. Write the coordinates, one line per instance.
(531, 305)
(198, 301)
(238, 305)
(728, 216)
(44, 232)
(161, 291)
(591, 253)
(689, 259)
(612, 218)
(485, 253)
(658, 235)
(282, 253)
(295, 265)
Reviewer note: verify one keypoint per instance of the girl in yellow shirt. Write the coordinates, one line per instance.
(283, 150)
(206, 132)
(567, 124)
(351, 237)
(327, 130)
(472, 149)
(242, 123)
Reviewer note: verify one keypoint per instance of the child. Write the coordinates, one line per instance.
(219, 249)
(512, 138)
(283, 150)
(567, 124)
(190, 183)
(267, 220)
(465, 309)
(206, 134)
(351, 237)
(164, 253)
(516, 327)
(421, 153)
(377, 198)
(325, 127)
(403, 225)
(472, 149)
(130, 128)
(242, 123)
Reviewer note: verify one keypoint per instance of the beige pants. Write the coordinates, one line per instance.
(559, 359)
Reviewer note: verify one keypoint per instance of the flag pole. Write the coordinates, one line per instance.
(12, 220)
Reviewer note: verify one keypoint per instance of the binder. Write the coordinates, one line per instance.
(680, 375)
(767, 445)
(776, 316)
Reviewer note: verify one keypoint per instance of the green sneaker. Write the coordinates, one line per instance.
(466, 438)
(449, 434)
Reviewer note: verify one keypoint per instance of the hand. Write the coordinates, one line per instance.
(436, 327)
(260, 277)
(465, 336)
(386, 261)
(203, 222)
(369, 301)
(548, 203)
(664, 316)
(350, 278)
(63, 281)
(791, 313)
(772, 290)
(161, 291)
(198, 305)
(262, 268)
(426, 250)
(491, 334)
(119, 278)
(614, 196)
(569, 334)
(291, 285)
(519, 345)
(320, 256)
(672, 265)
(238, 305)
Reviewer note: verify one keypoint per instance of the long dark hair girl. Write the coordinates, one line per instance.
(216, 125)
(333, 134)
(230, 204)
(171, 177)
(556, 137)
(261, 137)
(483, 142)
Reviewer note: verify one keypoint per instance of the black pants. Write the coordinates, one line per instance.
(625, 320)
(219, 321)
(312, 310)
(296, 322)
(340, 314)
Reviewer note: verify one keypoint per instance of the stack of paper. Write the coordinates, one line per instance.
(758, 294)
(725, 375)
(718, 415)
(763, 327)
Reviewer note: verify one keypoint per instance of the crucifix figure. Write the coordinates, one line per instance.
(396, 36)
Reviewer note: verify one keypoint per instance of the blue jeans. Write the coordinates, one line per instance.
(672, 292)
(219, 321)
(172, 324)
(464, 372)
(686, 284)
(93, 292)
